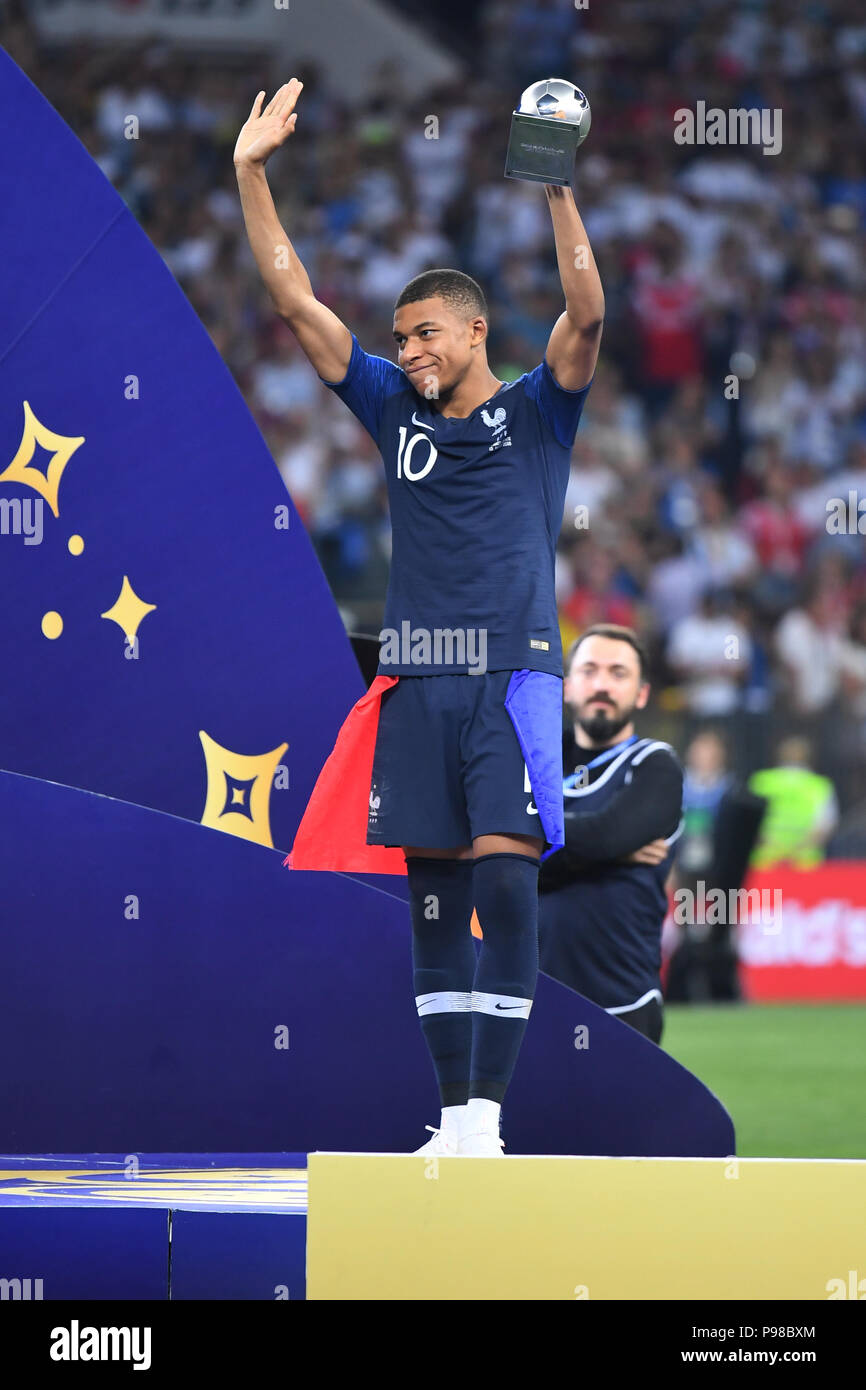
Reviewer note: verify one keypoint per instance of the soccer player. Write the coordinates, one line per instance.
(604, 897)
(467, 769)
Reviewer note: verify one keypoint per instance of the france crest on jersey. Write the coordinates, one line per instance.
(476, 508)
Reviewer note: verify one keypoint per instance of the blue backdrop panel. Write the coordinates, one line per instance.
(174, 492)
(158, 1034)
(238, 1255)
(86, 1252)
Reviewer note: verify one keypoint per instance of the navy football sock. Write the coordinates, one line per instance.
(506, 900)
(443, 955)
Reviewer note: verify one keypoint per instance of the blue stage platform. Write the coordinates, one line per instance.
(153, 1226)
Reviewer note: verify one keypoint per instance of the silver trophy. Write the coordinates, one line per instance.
(549, 125)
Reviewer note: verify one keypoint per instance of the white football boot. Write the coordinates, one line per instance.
(483, 1144)
(444, 1143)
(479, 1132)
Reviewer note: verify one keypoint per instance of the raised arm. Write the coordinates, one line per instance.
(324, 338)
(572, 351)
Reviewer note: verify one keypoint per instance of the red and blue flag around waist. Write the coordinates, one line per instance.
(332, 834)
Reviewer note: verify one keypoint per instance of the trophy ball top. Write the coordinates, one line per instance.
(557, 98)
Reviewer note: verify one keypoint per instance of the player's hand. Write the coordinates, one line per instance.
(653, 853)
(265, 130)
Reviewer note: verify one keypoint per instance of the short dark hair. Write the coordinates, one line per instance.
(460, 292)
(617, 634)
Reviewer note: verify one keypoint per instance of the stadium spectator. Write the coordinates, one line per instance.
(706, 781)
(722, 549)
(711, 652)
(801, 813)
(780, 538)
(667, 308)
(809, 645)
(675, 585)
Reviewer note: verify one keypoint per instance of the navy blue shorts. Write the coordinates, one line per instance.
(448, 765)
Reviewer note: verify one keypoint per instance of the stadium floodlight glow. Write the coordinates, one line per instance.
(550, 123)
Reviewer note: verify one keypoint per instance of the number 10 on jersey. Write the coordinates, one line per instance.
(405, 468)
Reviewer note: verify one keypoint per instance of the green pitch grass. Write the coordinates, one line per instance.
(792, 1077)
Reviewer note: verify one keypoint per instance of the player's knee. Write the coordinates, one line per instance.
(506, 894)
(440, 896)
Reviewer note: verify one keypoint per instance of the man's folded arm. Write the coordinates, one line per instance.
(645, 810)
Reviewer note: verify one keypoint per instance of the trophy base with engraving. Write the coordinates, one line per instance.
(541, 151)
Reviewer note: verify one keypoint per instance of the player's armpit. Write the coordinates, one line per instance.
(572, 351)
(325, 339)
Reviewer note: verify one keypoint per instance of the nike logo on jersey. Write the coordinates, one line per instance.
(509, 1006)
(416, 421)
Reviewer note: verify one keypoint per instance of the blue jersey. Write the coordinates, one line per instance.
(476, 509)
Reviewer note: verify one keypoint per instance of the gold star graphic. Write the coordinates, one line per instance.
(61, 446)
(225, 767)
(128, 610)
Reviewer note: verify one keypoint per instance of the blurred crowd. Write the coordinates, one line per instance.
(729, 407)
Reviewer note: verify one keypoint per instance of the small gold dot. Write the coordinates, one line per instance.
(52, 625)
(76, 545)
